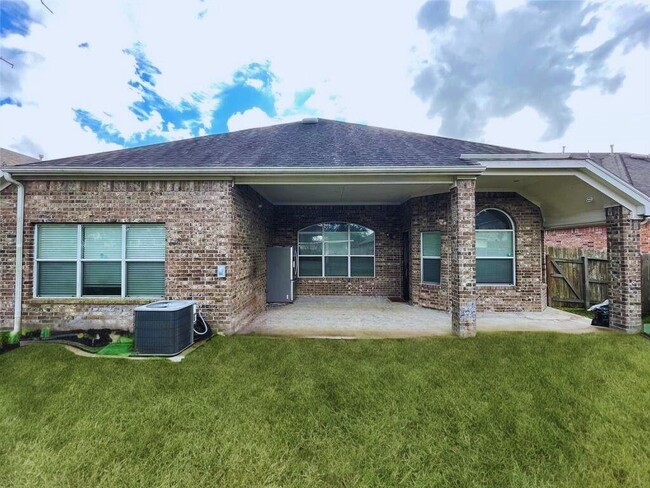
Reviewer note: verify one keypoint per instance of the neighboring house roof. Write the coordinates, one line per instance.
(324, 144)
(12, 158)
(634, 169)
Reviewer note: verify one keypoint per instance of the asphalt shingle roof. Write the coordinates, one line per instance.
(327, 143)
(631, 168)
(12, 158)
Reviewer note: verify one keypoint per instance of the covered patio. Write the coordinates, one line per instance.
(466, 240)
(355, 317)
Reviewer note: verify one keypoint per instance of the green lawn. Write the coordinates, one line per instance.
(521, 410)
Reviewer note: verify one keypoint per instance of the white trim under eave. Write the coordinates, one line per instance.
(520, 156)
(231, 172)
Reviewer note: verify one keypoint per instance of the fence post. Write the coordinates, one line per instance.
(585, 279)
(549, 281)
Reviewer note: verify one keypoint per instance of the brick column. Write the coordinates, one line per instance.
(624, 255)
(462, 277)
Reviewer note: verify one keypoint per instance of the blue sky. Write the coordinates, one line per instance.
(95, 76)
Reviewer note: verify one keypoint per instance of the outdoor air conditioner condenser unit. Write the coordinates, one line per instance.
(164, 328)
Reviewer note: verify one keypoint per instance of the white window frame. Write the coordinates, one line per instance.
(322, 255)
(423, 257)
(80, 260)
(514, 248)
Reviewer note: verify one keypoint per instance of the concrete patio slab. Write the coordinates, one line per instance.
(378, 317)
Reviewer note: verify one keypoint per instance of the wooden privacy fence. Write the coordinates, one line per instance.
(569, 272)
(576, 278)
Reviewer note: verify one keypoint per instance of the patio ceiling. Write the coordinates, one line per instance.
(570, 191)
(347, 194)
(565, 201)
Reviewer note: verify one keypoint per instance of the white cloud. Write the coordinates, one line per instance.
(601, 120)
(254, 117)
(255, 83)
(359, 57)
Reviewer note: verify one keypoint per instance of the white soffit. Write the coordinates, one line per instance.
(565, 201)
(347, 194)
(570, 192)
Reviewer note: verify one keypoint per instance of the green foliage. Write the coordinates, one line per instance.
(28, 333)
(501, 410)
(8, 338)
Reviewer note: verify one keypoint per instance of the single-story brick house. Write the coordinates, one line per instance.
(446, 224)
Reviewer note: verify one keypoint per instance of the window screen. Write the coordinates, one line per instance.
(100, 260)
(495, 248)
(430, 264)
(336, 249)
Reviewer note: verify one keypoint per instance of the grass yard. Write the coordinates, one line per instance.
(521, 410)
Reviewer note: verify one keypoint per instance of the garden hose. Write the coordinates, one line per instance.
(202, 325)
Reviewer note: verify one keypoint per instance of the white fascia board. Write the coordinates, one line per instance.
(349, 179)
(524, 156)
(231, 172)
(619, 183)
(554, 163)
(267, 176)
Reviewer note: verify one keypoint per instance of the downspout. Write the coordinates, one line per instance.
(20, 210)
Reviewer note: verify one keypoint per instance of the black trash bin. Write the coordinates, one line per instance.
(601, 314)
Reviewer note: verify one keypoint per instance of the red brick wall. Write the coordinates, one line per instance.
(385, 220)
(529, 293)
(462, 270)
(197, 218)
(252, 220)
(624, 269)
(594, 237)
(7, 255)
(211, 222)
(428, 214)
(431, 213)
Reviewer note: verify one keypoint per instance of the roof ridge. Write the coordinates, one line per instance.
(333, 143)
(423, 134)
(621, 162)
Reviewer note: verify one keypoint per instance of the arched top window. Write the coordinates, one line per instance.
(336, 249)
(493, 219)
(495, 248)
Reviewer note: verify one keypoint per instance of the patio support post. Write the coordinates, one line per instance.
(624, 255)
(463, 257)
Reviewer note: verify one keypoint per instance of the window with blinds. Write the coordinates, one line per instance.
(110, 260)
(336, 249)
(495, 248)
(430, 257)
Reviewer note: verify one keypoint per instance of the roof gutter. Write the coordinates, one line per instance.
(230, 172)
(20, 212)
